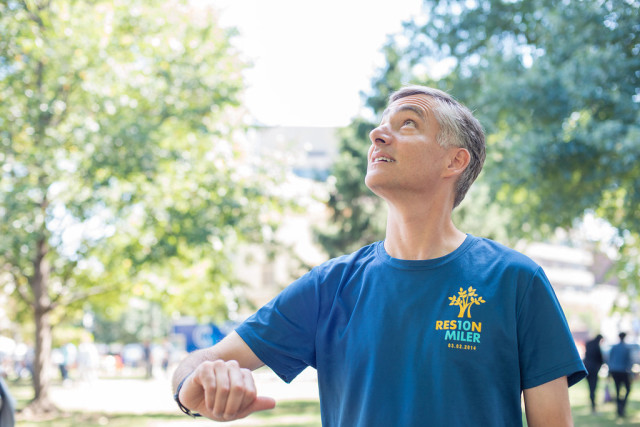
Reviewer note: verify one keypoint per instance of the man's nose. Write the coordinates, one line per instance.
(379, 135)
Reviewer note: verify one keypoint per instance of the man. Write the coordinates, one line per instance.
(593, 362)
(620, 369)
(431, 326)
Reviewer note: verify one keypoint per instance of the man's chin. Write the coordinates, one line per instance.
(374, 184)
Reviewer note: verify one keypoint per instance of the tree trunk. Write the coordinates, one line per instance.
(42, 357)
(42, 360)
(463, 309)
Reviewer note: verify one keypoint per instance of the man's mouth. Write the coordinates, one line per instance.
(382, 159)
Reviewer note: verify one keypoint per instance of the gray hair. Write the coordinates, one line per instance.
(458, 128)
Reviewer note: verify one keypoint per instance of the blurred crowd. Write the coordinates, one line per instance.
(87, 360)
(618, 363)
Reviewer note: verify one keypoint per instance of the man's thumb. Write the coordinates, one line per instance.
(262, 403)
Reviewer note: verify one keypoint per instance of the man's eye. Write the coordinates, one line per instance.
(409, 122)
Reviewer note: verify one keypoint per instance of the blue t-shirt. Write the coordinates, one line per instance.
(620, 358)
(450, 341)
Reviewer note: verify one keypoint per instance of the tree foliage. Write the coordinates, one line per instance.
(121, 170)
(556, 85)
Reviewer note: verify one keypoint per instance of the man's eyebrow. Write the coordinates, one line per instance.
(405, 107)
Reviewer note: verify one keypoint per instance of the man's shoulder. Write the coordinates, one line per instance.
(364, 254)
(498, 251)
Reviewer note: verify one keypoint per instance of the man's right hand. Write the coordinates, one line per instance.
(222, 391)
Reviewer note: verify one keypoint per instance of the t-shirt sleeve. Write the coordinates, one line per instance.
(282, 333)
(546, 347)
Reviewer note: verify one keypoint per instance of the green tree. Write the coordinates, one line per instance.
(556, 85)
(121, 169)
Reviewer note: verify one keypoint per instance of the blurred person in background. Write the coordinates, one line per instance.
(148, 359)
(593, 362)
(431, 325)
(167, 355)
(88, 359)
(620, 369)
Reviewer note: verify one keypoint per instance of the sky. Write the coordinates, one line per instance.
(311, 59)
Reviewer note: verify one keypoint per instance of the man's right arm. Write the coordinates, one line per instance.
(218, 383)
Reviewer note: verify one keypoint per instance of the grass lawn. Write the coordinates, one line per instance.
(286, 414)
(307, 413)
(289, 414)
(606, 412)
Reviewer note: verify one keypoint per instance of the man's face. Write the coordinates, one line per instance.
(404, 157)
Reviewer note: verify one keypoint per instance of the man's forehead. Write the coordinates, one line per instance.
(422, 104)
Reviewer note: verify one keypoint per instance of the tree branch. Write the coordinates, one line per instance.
(35, 17)
(65, 276)
(80, 296)
(19, 289)
(62, 92)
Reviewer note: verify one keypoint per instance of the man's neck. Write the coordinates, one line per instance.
(421, 234)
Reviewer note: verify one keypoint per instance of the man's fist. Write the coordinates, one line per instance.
(222, 391)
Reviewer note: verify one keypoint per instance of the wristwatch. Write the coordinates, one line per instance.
(176, 397)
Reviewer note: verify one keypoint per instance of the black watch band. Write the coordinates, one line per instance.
(176, 397)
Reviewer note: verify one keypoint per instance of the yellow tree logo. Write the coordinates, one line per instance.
(465, 300)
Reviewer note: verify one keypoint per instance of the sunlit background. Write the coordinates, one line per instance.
(311, 60)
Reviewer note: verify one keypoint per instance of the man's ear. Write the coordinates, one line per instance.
(458, 161)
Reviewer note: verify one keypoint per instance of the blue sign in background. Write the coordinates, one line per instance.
(199, 336)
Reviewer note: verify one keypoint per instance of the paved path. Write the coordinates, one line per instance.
(136, 396)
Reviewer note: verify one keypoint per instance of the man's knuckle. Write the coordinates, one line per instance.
(229, 417)
(237, 388)
(210, 389)
(207, 365)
